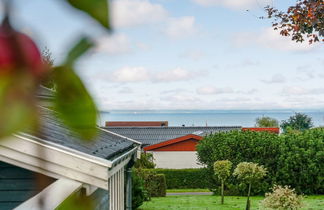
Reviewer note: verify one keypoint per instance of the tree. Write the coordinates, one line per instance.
(303, 20)
(250, 173)
(222, 170)
(297, 122)
(266, 122)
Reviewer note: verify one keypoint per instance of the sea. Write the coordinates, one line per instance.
(244, 118)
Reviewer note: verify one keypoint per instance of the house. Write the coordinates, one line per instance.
(66, 166)
(271, 130)
(172, 147)
(136, 123)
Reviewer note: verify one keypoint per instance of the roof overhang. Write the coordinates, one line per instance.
(173, 141)
(59, 162)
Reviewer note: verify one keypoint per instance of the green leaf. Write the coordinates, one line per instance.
(18, 109)
(83, 45)
(98, 9)
(74, 104)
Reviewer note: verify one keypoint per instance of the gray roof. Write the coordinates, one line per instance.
(45, 93)
(154, 135)
(106, 145)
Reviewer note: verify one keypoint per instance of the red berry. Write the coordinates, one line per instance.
(18, 51)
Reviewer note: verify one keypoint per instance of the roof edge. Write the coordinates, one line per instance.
(172, 141)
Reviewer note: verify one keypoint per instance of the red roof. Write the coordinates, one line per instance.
(273, 130)
(136, 123)
(177, 144)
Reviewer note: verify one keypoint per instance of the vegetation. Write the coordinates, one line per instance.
(222, 170)
(297, 122)
(293, 159)
(266, 122)
(304, 20)
(185, 202)
(139, 194)
(185, 178)
(154, 183)
(146, 161)
(249, 173)
(282, 198)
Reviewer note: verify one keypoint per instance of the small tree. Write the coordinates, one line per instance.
(266, 122)
(282, 198)
(222, 169)
(297, 122)
(249, 173)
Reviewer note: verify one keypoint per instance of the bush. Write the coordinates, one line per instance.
(282, 198)
(292, 159)
(185, 178)
(154, 184)
(139, 194)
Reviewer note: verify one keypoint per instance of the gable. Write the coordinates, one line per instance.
(183, 143)
(187, 145)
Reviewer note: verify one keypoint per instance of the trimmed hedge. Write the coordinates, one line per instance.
(154, 184)
(294, 159)
(185, 178)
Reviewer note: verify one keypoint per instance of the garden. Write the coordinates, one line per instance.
(244, 170)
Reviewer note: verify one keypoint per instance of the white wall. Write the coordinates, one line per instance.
(175, 159)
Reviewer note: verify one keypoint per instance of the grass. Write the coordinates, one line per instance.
(186, 190)
(208, 202)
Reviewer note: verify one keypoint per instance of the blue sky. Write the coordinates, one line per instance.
(177, 54)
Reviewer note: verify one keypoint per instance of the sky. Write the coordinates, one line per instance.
(182, 54)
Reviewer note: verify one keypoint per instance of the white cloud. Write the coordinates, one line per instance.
(193, 55)
(211, 90)
(181, 27)
(297, 91)
(277, 78)
(128, 13)
(234, 4)
(130, 74)
(270, 38)
(114, 44)
(177, 74)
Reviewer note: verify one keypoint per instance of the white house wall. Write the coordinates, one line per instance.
(175, 159)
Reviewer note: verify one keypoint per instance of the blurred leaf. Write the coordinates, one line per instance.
(17, 104)
(74, 104)
(77, 201)
(98, 9)
(83, 45)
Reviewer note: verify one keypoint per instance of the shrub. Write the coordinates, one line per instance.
(249, 173)
(293, 159)
(222, 170)
(154, 184)
(146, 161)
(139, 194)
(185, 178)
(282, 198)
(236, 146)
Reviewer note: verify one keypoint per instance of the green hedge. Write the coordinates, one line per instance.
(185, 178)
(294, 159)
(154, 183)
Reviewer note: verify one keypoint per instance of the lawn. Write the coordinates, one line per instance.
(202, 202)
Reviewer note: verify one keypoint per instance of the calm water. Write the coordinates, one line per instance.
(210, 117)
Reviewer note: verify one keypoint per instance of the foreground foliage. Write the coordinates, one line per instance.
(293, 159)
(304, 20)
